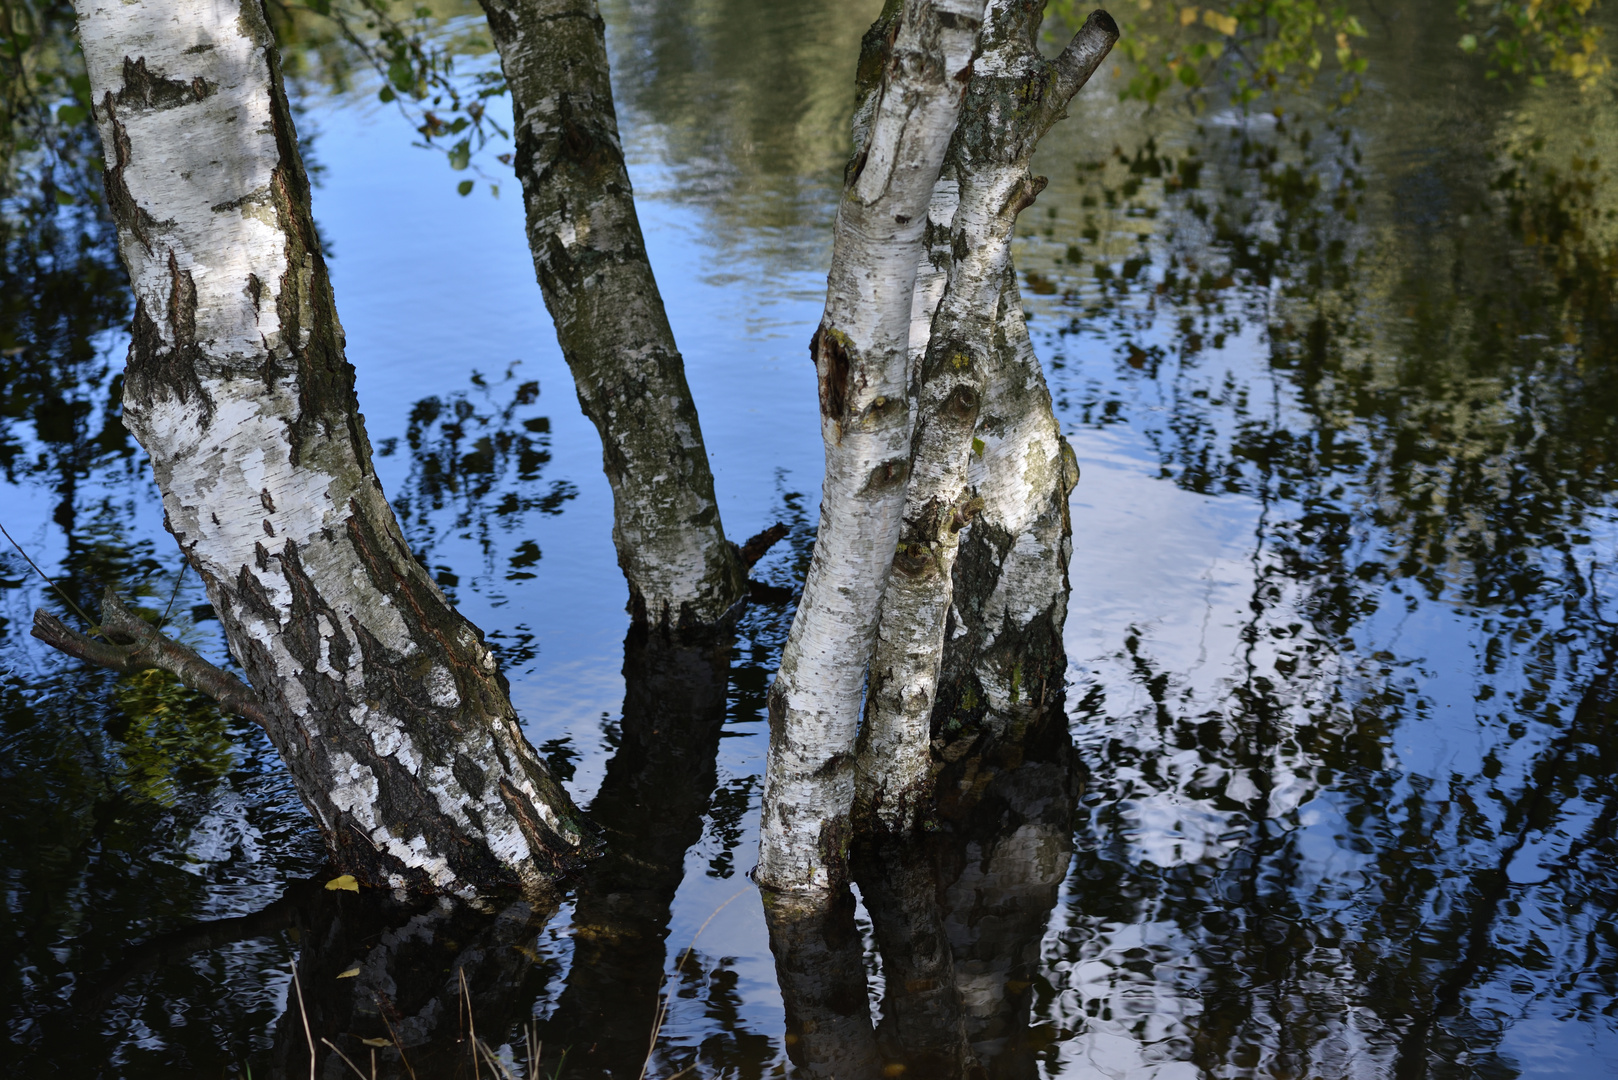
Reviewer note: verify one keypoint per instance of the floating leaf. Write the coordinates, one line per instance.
(377, 1042)
(345, 882)
(350, 973)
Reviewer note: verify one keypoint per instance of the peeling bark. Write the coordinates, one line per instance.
(385, 703)
(593, 269)
(977, 354)
(861, 350)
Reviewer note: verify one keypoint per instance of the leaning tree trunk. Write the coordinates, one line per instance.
(978, 355)
(917, 60)
(385, 703)
(597, 281)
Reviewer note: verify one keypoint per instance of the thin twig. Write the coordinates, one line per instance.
(91, 623)
(394, 1035)
(178, 580)
(350, 1064)
(471, 1029)
(663, 1000)
(303, 1014)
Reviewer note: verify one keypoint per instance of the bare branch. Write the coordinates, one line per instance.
(135, 645)
(1077, 63)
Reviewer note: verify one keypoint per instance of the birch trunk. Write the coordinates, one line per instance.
(917, 64)
(977, 336)
(592, 266)
(386, 705)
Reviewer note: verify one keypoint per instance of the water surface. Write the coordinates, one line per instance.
(1344, 392)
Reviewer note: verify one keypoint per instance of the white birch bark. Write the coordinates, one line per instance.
(861, 354)
(385, 703)
(593, 269)
(977, 336)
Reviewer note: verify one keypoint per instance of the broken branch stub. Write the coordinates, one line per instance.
(132, 644)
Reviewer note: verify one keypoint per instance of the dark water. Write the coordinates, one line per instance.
(1342, 793)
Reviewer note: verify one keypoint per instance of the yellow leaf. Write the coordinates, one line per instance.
(1225, 24)
(345, 882)
(377, 1042)
(349, 974)
(1188, 15)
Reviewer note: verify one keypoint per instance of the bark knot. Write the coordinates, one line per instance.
(833, 354)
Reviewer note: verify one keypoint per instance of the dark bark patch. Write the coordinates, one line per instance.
(949, 20)
(125, 211)
(886, 476)
(159, 370)
(144, 90)
(302, 632)
(833, 361)
(542, 842)
(468, 775)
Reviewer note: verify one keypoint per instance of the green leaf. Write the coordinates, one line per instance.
(1469, 43)
(460, 155)
(71, 115)
(402, 75)
(386, 94)
(464, 187)
(63, 198)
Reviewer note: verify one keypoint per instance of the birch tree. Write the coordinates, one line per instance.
(897, 487)
(592, 266)
(915, 63)
(387, 706)
(977, 354)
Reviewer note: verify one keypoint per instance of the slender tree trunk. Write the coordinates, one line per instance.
(861, 354)
(977, 341)
(386, 705)
(592, 266)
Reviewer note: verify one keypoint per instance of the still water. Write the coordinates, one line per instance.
(1342, 793)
